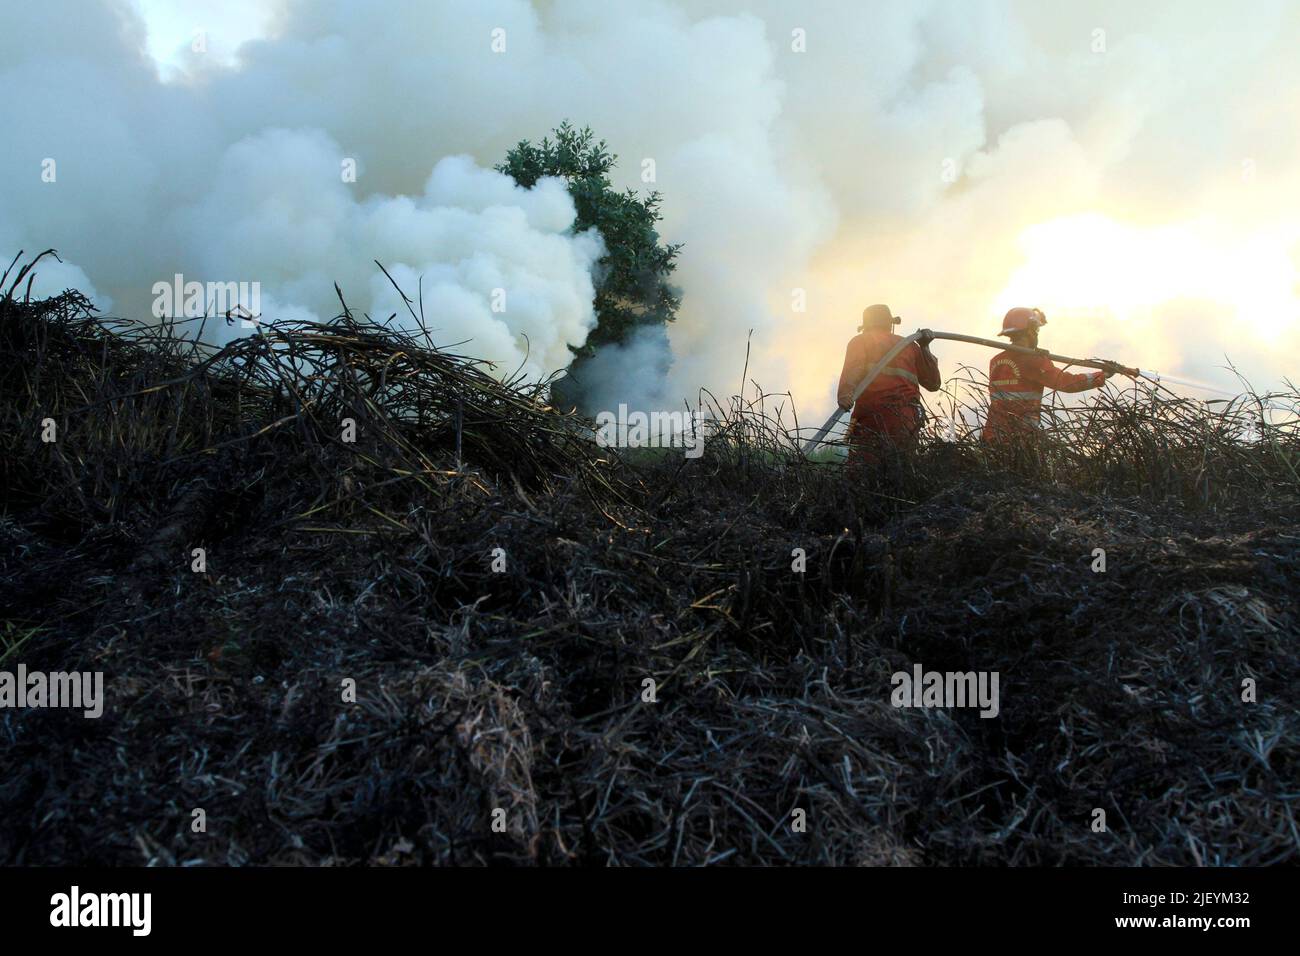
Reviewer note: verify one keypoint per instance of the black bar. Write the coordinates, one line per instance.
(334, 906)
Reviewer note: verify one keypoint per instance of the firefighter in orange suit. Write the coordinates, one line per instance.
(1017, 380)
(888, 412)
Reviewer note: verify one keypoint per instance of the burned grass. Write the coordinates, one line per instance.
(521, 690)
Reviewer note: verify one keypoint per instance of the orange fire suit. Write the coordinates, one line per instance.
(888, 412)
(1016, 383)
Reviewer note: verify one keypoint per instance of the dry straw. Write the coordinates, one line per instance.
(522, 690)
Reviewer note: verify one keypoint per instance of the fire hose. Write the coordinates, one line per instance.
(974, 340)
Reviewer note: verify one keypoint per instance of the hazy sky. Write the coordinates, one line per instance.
(173, 24)
(1132, 169)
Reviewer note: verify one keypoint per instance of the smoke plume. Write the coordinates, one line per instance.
(1134, 170)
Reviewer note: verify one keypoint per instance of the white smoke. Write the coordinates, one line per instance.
(948, 157)
(490, 263)
(494, 268)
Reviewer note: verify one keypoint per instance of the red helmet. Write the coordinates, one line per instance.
(1021, 320)
(878, 316)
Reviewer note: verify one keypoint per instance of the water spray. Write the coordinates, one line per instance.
(1187, 383)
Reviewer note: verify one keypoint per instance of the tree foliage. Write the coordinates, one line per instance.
(633, 287)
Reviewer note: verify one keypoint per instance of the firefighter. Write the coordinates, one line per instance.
(1017, 380)
(887, 415)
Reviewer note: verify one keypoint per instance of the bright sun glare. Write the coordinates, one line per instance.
(1094, 265)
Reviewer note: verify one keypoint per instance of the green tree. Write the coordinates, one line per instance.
(633, 288)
